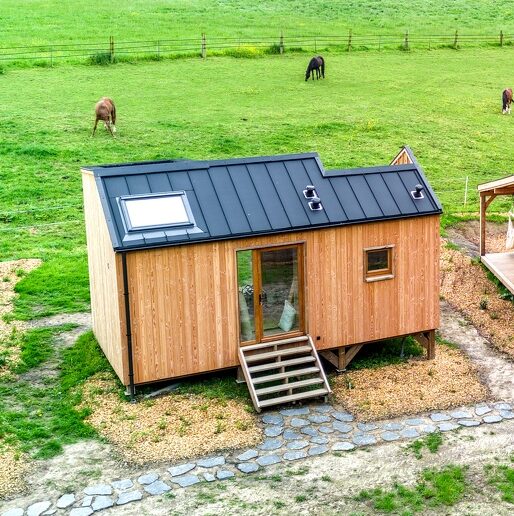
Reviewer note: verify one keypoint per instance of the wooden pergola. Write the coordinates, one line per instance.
(500, 264)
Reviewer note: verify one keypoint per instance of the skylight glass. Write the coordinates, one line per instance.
(154, 211)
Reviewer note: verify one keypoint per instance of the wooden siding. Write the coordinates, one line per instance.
(402, 158)
(184, 303)
(106, 282)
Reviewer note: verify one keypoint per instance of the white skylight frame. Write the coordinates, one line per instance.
(139, 222)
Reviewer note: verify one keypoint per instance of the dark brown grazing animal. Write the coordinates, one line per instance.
(506, 101)
(106, 112)
(316, 64)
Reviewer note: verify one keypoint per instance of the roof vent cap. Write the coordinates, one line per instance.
(310, 192)
(315, 204)
(417, 193)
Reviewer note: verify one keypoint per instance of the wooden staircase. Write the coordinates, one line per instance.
(283, 371)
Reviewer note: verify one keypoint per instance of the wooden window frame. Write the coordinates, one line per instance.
(380, 274)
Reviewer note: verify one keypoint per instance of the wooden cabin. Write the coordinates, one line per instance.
(500, 264)
(263, 262)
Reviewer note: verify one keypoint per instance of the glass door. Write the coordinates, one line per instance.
(271, 298)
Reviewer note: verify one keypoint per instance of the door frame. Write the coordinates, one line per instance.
(257, 285)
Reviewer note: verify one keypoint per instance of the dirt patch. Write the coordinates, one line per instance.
(417, 386)
(467, 236)
(464, 284)
(170, 427)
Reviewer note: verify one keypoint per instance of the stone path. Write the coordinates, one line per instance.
(495, 370)
(291, 434)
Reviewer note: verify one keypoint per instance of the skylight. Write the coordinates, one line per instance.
(152, 211)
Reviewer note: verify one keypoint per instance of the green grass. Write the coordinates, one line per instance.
(55, 21)
(223, 107)
(40, 420)
(435, 488)
(432, 442)
(220, 388)
(502, 477)
(36, 346)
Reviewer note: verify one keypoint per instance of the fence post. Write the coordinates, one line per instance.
(315, 46)
(501, 38)
(281, 42)
(111, 48)
(379, 42)
(158, 50)
(406, 41)
(466, 191)
(51, 57)
(349, 40)
(204, 46)
(456, 39)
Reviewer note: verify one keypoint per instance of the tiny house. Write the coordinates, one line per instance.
(264, 263)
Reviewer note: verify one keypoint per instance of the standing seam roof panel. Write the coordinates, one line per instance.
(347, 198)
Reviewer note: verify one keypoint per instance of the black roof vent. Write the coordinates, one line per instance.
(315, 204)
(417, 193)
(310, 192)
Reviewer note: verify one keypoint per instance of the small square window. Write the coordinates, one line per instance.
(378, 263)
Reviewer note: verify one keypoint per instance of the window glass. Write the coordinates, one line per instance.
(378, 260)
(166, 210)
(246, 296)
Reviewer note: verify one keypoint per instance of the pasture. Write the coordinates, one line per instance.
(54, 21)
(446, 105)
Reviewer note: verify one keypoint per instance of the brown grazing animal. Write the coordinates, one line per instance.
(105, 111)
(506, 101)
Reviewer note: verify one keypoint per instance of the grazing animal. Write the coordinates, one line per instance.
(506, 101)
(106, 112)
(316, 64)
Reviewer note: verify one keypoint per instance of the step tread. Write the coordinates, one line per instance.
(270, 344)
(287, 386)
(283, 363)
(259, 357)
(293, 397)
(285, 374)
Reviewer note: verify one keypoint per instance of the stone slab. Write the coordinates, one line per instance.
(502, 406)
(268, 460)
(295, 455)
(271, 444)
(409, 433)
(159, 487)
(437, 417)
(129, 496)
(481, 410)
(290, 435)
(492, 419)
(318, 419)
(298, 422)
(318, 450)
(428, 429)
(343, 446)
(65, 501)
(461, 414)
(468, 422)
(247, 455)
(102, 502)
(17, 511)
(392, 427)
(186, 480)
(122, 485)
(390, 436)
(319, 440)
(273, 431)
(367, 427)
(211, 462)
(98, 490)
(414, 421)
(364, 440)
(149, 478)
(323, 409)
(297, 445)
(87, 501)
(224, 474)
(507, 414)
(176, 471)
(308, 430)
(248, 467)
(38, 508)
(302, 411)
(342, 427)
(326, 429)
(209, 477)
(447, 426)
(272, 419)
(343, 416)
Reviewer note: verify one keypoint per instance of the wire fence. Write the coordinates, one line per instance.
(105, 52)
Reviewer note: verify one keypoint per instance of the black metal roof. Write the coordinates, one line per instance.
(241, 197)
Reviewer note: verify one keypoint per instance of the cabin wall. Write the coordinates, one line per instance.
(184, 304)
(402, 158)
(106, 282)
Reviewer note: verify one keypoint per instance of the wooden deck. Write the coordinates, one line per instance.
(502, 266)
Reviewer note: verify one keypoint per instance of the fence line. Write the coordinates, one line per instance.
(204, 44)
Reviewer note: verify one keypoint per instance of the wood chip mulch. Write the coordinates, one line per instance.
(419, 385)
(12, 470)
(168, 428)
(464, 284)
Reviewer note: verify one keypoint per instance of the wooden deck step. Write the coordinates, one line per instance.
(286, 374)
(304, 377)
(282, 363)
(288, 386)
(294, 397)
(261, 357)
(270, 344)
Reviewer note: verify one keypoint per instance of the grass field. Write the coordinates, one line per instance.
(59, 22)
(444, 104)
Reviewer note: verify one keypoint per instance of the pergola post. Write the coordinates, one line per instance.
(483, 209)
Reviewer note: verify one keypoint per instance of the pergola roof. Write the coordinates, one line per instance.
(500, 186)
